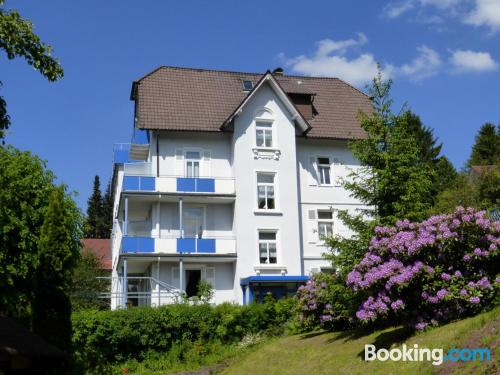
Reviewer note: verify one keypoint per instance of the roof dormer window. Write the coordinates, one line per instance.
(247, 85)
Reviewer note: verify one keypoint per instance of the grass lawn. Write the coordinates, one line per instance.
(342, 352)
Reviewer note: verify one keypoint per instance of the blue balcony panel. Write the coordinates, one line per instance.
(139, 183)
(186, 245)
(186, 184)
(130, 183)
(196, 185)
(206, 245)
(205, 185)
(138, 245)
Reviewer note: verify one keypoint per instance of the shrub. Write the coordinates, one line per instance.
(443, 268)
(101, 338)
(325, 302)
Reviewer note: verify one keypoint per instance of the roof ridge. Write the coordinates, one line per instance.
(196, 70)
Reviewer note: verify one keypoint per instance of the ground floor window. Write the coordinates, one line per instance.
(274, 290)
(267, 247)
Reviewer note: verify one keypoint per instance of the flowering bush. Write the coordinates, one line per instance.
(325, 302)
(440, 269)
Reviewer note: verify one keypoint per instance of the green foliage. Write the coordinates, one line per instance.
(186, 356)
(102, 338)
(486, 149)
(205, 291)
(480, 192)
(326, 302)
(99, 213)
(393, 178)
(85, 285)
(24, 197)
(58, 251)
(17, 39)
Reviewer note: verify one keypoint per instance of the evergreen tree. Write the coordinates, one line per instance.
(429, 152)
(58, 250)
(486, 149)
(107, 212)
(394, 178)
(94, 223)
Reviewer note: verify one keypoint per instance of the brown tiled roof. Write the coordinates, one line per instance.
(171, 98)
(101, 247)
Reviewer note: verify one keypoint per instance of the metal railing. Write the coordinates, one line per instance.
(141, 290)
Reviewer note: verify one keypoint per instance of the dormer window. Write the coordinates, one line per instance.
(247, 85)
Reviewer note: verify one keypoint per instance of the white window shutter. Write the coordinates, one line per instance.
(209, 276)
(175, 277)
(312, 226)
(179, 162)
(206, 164)
(313, 171)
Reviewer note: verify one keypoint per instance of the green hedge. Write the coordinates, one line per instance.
(101, 338)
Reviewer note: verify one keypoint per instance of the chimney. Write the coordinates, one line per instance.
(278, 72)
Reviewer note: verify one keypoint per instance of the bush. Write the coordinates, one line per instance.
(443, 268)
(326, 302)
(101, 338)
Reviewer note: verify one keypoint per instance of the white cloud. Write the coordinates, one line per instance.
(485, 13)
(345, 60)
(327, 46)
(329, 60)
(425, 65)
(470, 61)
(394, 10)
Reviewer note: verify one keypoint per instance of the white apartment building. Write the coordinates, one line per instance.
(231, 178)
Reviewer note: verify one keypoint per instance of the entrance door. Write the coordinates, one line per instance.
(193, 222)
(193, 277)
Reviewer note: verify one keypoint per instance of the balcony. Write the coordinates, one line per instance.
(140, 244)
(139, 177)
(209, 186)
(139, 183)
(132, 244)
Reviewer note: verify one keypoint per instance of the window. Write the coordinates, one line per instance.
(193, 164)
(267, 247)
(325, 224)
(264, 134)
(265, 191)
(324, 171)
(247, 85)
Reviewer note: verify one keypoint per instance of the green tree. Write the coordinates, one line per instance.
(58, 249)
(95, 223)
(486, 149)
(24, 197)
(85, 285)
(393, 178)
(107, 212)
(17, 39)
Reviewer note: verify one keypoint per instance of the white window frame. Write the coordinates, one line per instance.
(267, 128)
(191, 160)
(323, 167)
(266, 185)
(321, 236)
(267, 242)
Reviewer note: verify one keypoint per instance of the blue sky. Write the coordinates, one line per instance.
(444, 57)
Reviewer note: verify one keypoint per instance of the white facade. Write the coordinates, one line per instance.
(242, 210)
